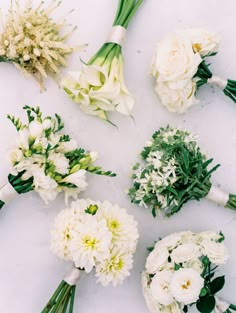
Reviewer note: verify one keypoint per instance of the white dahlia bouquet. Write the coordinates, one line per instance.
(173, 171)
(46, 160)
(96, 236)
(99, 86)
(180, 272)
(180, 68)
(33, 41)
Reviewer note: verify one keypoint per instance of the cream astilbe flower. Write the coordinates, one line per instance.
(114, 269)
(33, 41)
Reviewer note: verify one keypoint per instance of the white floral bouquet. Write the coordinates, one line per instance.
(174, 170)
(180, 272)
(92, 235)
(180, 68)
(99, 87)
(46, 160)
(32, 41)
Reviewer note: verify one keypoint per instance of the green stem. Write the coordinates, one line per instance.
(65, 292)
(233, 307)
(231, 204)
(72, 299)
(54, 297)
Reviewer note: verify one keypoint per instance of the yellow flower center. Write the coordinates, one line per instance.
(89, 242)
(186, 285)
(197, 47)
(113, 225)
(67, 235)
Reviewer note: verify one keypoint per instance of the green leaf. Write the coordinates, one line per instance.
(217, 284)
(205, 260)
(150, 249)
(177, 267)
(92, 209)
(222, 237)
(206, 304)
(203, 292)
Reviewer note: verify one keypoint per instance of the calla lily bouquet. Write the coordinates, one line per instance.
(32, 41)
(92, 235)
(180, 272)
(46, 160)
(99, 87)
(180, 68)
(174, 170)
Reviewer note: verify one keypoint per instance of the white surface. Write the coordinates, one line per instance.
(29, 272)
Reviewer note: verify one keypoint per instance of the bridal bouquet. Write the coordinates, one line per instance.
(92, 235)
(174, 170)
(99, 87)
(180, 272)
(180, 68)
(46, 160)
(32, 41)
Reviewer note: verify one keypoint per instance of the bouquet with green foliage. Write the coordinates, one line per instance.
(46, 160)
(99, 87)
(174, 170)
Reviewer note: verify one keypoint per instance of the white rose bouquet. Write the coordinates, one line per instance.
(180, 68)
(46, 160)
(174, 170)
(180, 272)
(99, 87)
(92, 235)
(32, 41)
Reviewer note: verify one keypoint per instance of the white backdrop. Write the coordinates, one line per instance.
(29, 272)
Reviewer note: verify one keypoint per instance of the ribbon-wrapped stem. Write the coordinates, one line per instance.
(220, 197)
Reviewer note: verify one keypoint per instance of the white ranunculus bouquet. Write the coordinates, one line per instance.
(173, 171)
(180, 272)
(180, 69)
(32, 41)
(46, 160)
(92, 235)
(100, 87)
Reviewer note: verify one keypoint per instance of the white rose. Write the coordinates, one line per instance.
(153, 306)
(35, 129)
(195, 264)
(175, 59)
(78, 179)
(156, 260)
(215, 251)
(187, 236)
(170, 242)
(185, 252)
(160, 287)
(203, 41)
(207, 235)
(186, 285)
(177, 96)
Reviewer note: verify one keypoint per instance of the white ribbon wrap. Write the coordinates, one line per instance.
(73, 277)
(218, 196)
(117, 35)
(7, 193)
(217, 81)
(221, 306)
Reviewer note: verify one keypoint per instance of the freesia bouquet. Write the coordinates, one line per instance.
(32, 41)
(180, 272)
(174, 170)
(93, 235)
(99, 87)
(180, 68)
(46, 160)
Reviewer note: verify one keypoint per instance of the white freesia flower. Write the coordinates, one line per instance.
(216, 251)
(203, 41)
(67, 146)
(35, 129)
(175, 59)
(185, 252)
(156, 260)
(177, 96)
(186, 285)
(23, 139)
(90, 242)
(93, 155)
(78, 179)
(15, 156)
(60, 162)
(114, 269)
(160, 287)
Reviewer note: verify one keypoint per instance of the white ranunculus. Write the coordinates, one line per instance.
(175, 59)
(203, 41)
(177, 96)
(170, 242)
(160, 287)
(35, 129)
(78, 179)
(156, 260)
(60, 162)
(186, 285)
(195, 264)
(185, 252)
(216, 251)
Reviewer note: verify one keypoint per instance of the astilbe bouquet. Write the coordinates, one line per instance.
(174, 170)
(180, 272)
(92, 235)
(32, 41)
(46, 160)
(180, 68)
(99, 87)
